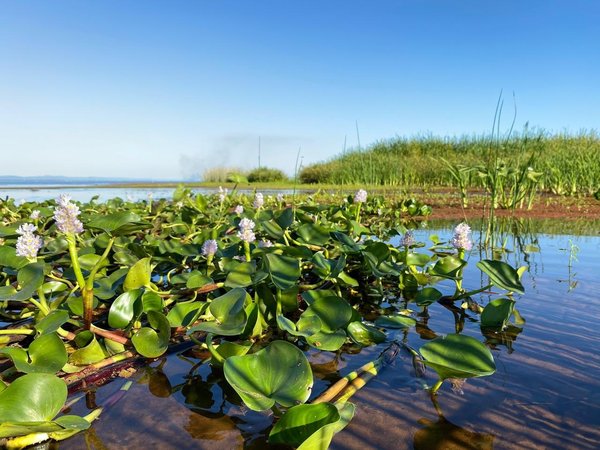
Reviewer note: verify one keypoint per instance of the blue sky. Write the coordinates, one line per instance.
(166, 89)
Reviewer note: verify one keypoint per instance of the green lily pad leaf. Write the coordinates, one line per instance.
(347, 244)
(321, 438)
(286, 218)
(90, 350)
(279, 373)
(54, 287)
(124, 309)
(417, 259)
(327, 341)
(71, 422)
(35, 397)
(153, 342)
(46, 354)
(139, 275)
(9, 258)
(272, 229)
(311, 296)
(327, 268)
(29, 277)
(502, 275)
(151, 301)
(226, 350)
(427, 296)
(197, 280)
(448, 267)
(184, 314)
(229, 312)
(497, 312)
(240, 276)
(284, 271)
(397, 321)
(301, 421)
(458, 356)
(52, 322)
(89, 260)
(365, 335)
(334, 312)
(314, 234)
(307, 325)
(118, 223)
(13, 429)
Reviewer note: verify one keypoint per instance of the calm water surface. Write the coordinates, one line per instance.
(545, 393)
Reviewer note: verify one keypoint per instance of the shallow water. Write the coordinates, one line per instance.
(545, 393)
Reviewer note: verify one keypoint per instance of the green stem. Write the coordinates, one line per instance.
(435, 387)
(90, 281)
(75, 260)
(15, 331)
(247, 251)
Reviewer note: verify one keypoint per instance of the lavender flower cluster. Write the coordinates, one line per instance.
(360, 196)
(66, 214)
(246, 232)
(462, 237)
(209, 247)
(28, 244)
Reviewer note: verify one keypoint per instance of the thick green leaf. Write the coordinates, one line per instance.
(365, 335)
(29, 277)
(279, 373)
(241, 275)
(327, 341)
(46, 354)
(90, 350)
(151, 301)
(117, 223)
(9, 258)
(229, 313)
(153, 342)
(502, 275)
(311, 296)
(312, 233)
(497, 312)
(307, 325)
(417, 259)
(226, 350)
(448, 267)
(52, 321)
(321, 438)
(284, 271)
(397, 321)
(184, 314)
(35, 397)
(427, 296)
(124, 309)
(334, 312)
(139, 275)
(458, 356)
(301, 421)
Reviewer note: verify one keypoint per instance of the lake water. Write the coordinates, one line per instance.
(544, 394)
(85, 194)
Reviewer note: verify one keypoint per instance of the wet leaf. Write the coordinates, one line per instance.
(153, 341)
(502, 275)
(279, 373)
(300, 422)
(458, 356)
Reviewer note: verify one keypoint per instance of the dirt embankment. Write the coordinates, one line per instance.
(546, 206)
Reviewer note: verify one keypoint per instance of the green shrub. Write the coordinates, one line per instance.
(266, 174)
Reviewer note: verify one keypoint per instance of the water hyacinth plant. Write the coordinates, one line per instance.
(116, 285)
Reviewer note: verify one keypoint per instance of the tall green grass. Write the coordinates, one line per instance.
(570, 163)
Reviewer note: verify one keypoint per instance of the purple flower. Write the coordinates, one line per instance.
(265, 243)
(408, 239)
(28, 244)
(65, 215)
(222, 194)
(360, 196)
(35, 214)
(462, 237)
(259, 201)
(209, 247)
(280, 198)
(239, 210)
(246, 232)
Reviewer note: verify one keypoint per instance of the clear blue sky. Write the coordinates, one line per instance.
(165, 89)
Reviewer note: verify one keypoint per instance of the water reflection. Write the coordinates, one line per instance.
(444, 435)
